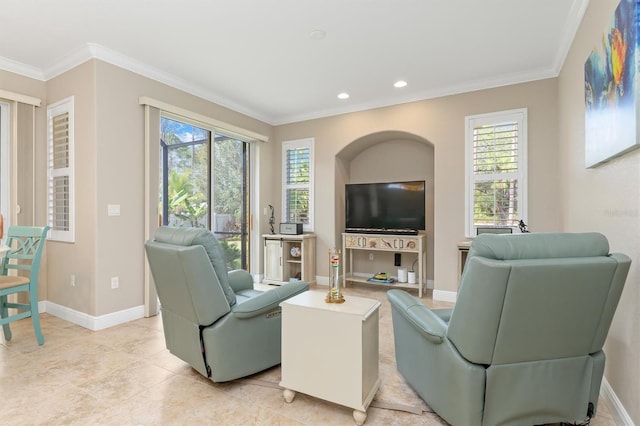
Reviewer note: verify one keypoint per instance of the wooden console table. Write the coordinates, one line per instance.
(390, 243)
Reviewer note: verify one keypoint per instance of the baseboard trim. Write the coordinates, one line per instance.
(620, 415)
(445, 296)
(91, 322)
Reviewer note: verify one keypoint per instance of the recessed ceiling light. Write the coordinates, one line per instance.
(343, 95)
(318, 34)
(400, 83)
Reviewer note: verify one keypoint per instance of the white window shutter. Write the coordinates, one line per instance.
(496, 170)
(60, 194)
(297, 172)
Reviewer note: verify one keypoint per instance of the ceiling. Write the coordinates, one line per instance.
(263, 58)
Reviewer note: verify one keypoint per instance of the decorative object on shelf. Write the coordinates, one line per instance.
(381, 277)
(295, 251)
(411, 275)
(610, 95)
(523, 227)
(290, 228)
(272, 220)
(334, 295)
(402, 275)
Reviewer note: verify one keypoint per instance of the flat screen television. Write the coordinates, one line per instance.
(387, 207)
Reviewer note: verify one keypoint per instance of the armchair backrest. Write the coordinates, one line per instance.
(529, 297)
(184, 263)
(200, 237)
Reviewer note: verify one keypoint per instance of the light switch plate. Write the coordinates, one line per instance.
(113, 209)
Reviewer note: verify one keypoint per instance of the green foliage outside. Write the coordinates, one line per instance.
(297, 174)
(189, 181)
(496, 186)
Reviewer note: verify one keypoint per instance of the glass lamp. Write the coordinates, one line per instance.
(334, 295)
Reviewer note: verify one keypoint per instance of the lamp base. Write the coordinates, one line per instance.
(334, 298)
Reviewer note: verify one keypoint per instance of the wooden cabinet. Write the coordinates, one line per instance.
(379, 242)
(289, 257)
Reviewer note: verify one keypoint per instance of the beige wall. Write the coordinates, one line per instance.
(110, 170)
(604, 199)
(440, 122)
(79, 258)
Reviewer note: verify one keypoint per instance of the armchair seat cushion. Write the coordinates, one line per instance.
(244, 295)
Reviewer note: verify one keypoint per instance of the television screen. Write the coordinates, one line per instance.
(389, 207)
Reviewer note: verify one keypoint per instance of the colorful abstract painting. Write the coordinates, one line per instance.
(611, 88)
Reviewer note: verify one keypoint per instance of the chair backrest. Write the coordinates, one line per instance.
(206, 239)
(25, 250)
(527, 297)
(183, 263)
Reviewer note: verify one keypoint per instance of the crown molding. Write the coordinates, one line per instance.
(21, 69)
(71, 60)
(473, 86)
(97, 51)
(576, 13)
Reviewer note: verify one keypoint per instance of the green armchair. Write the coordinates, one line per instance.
(213, 319)
(523, 344)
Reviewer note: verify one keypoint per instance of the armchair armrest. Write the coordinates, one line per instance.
(428, 323)
(239, 280)
(268, 300)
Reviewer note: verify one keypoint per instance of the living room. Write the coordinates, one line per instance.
(563, 194)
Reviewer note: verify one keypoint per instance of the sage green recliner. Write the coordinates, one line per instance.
(523, 344)
(214, 320)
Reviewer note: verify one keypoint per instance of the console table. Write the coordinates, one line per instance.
(382, 242)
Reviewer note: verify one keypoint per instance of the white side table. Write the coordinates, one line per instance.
(330, 351)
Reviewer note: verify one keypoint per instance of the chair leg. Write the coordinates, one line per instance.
(35, 318)
(4, 313)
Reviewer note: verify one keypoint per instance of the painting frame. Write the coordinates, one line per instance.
(612, 101)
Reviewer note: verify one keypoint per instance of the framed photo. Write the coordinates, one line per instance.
(611, 88)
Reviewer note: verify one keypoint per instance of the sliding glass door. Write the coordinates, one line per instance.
(204, 179)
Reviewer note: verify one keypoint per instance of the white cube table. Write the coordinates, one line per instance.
(330, 351)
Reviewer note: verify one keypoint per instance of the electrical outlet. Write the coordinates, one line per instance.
(115, 282)
(370, 256)
(72, 280)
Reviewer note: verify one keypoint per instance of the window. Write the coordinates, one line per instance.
(297, 185)
(205, 183)
(60, 193)
(496, 175)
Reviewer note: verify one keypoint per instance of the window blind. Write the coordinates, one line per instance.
(297, 181)
(60, 215)
(495, 169)
(59, 185)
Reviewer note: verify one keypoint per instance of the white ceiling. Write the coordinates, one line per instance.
(258, 56)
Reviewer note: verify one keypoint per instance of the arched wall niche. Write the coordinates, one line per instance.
(406, 156)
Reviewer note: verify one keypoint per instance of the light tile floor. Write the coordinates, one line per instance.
(124, 376)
